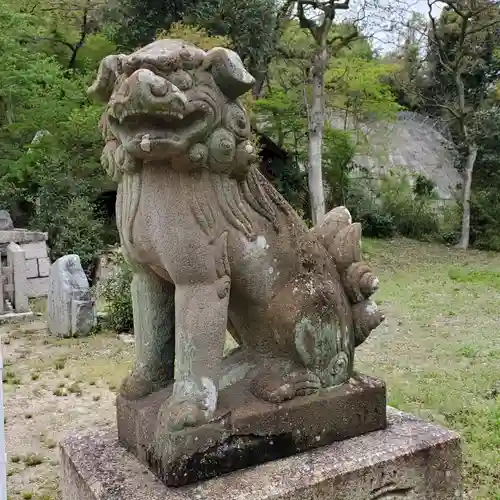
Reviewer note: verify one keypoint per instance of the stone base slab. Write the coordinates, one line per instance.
(247, 431)
(409, 459)
(15, 317)
(21, 236)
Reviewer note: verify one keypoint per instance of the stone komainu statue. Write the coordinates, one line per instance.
(214, 246)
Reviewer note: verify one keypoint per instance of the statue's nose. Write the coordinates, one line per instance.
(153, 84)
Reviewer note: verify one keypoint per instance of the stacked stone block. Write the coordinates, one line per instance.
(34, 245)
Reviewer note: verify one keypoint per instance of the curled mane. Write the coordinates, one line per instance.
(217, 141)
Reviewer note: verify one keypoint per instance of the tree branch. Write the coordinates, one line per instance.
(345, 40)
(332, 4)
(306, 23)
(435, 38)
(83, 36)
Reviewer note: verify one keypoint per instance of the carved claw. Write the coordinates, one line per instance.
(176, 415)
(274, 388)
(138, 385)
(366, 317)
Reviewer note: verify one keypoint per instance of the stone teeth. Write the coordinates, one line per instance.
(123, 115)
(145, 144)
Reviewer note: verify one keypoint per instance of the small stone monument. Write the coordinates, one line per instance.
(5, 221)
(215, 247)
(71, 309)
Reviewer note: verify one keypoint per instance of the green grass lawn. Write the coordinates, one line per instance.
(439, 350)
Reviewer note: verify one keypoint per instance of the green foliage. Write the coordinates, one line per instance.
(450, 222)
(356, 86)
(415, 216)
(196, 35)
(115, 291)
(485, 205)
(135, 23)
(282, 116)
(365, 209)
(485, 219)
(68, 30)
(290, 180)
(57, 177)
(338, 154)
(354, 89)
(406, 80)
(482, 277)
(60, 177)
(475, 56)
(249, 25)
(392, 205)
(73, 227)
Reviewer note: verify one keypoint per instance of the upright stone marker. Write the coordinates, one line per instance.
(16, 261)
(5, 221)
(70, 305)
(214, 247)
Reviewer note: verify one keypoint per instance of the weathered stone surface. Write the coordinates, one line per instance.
(83, 317)
(16, 260)
(5, 221)
(43, 267)
(22, 236)
(410, 459)
(213, 245)
(13, 317)
(35, 250)
(247, 431)
(70, 307)
(38, 287)
(32, 268)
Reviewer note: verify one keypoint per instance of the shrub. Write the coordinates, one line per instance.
(339, 151)
(450, 222)
(392, 204)
(413, 207)
(74, 227)
(362, 203)
(485, 220)
(115, 291)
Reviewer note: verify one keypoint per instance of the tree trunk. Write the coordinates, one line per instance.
(316, 118)
(467, 174)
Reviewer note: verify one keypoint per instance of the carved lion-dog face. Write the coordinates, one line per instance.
(174, 102)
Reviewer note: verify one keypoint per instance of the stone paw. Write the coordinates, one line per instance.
(276, 388)
(137, 386)
(178, 415)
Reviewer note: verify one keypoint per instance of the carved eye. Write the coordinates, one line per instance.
(237, 121)
(181, 79)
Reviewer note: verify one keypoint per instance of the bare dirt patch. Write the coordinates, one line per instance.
(54, 387)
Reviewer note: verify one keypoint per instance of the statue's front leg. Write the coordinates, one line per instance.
(201, 311)
(154, 323)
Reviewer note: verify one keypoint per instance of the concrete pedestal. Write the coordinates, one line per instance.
(409, 459)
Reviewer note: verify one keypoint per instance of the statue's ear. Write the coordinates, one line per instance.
(109, 70)
(229, 72)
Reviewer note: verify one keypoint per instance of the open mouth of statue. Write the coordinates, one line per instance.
(147, 133)
(155, 121)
